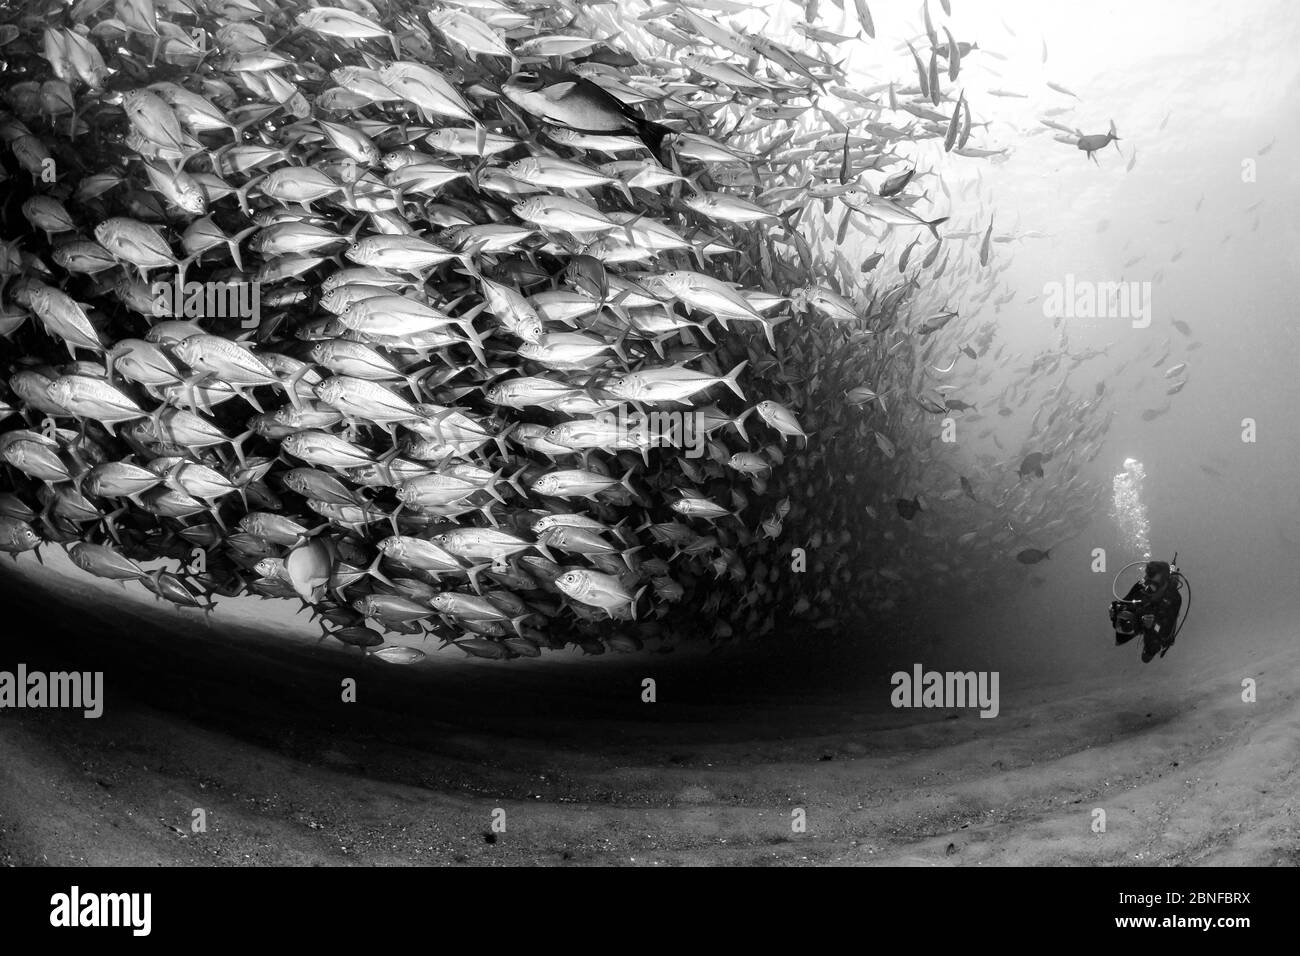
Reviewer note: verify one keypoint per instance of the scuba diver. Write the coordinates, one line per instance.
(1151, 608)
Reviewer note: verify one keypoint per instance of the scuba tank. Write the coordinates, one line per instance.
(1179, 580)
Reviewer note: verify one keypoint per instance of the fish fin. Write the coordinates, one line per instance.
(653, 135)
(739, 423)
(474, 571)
(233, 242)
(933, 225)
(558, 91)
(626, 483)
(242, 194)
(513, 482)
(374, 572)
(731, 377)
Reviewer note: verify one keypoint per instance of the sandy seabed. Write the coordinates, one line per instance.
(251, 728)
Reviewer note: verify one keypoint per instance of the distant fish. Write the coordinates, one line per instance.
(902, 259)
(1033, 464)
(954, 124)
(929, 26)
(908, 508)
(397, 654)
(1009, 93)
(936, 322)
(1061, 89)
(923, 78)
(1263, 150)
(1090, 144)
(1033, 555)
(896, 183)
(1174, 370)
(954, 55)
(1182, 326)
(1052, 124)
(984, 246)
(864, 18)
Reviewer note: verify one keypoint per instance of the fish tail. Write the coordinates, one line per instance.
(475, 341)
(473, 572)
(242, 193)
(739, 423)
(730, 380)
(237, 444)
(413, 383)
(378, 575)
(653, 135)
(232, 243)
(491, 487)
(626, 483)
(933, 225)
(513, 482)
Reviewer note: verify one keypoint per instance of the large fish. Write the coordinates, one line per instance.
(576, 103)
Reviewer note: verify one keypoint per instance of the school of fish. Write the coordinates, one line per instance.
(524, 325)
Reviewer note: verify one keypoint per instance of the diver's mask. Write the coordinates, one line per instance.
(1156, 577)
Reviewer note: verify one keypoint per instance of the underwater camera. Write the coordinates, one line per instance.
(1124, 617)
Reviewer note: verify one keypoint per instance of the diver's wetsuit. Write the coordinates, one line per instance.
(1164, 603)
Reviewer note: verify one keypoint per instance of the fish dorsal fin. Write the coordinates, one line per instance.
(559, 91)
